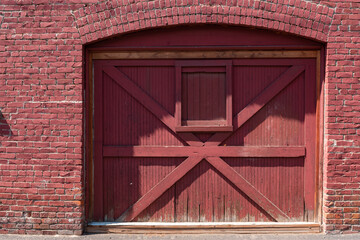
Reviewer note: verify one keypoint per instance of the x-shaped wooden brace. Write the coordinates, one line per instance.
(197, 150)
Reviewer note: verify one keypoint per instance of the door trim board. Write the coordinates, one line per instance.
(292, 227)
(203, 228)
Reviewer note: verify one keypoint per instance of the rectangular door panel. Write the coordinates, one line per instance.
(149, 167)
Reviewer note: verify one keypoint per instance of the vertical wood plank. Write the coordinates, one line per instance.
(89, 154)
(98, 142)
(310, 136)
(159, 189)
(178, 96)
(229, 101)
(320, 75)
(247, 188)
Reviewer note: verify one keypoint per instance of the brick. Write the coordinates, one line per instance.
(41, 60)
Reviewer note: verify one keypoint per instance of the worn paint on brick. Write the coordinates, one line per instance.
(41, 96)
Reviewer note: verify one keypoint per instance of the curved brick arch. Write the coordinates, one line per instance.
(300, 17)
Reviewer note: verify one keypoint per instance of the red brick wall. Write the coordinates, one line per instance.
(41, 123)
(41, 96)
(342, 120)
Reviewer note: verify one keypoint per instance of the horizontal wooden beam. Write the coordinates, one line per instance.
(205, 228)
(204, 54)
(186, 151)
(204, 128)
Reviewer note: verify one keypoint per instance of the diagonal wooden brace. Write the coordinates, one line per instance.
(141, 96)
(243, 185)
(259, 102)
(159, 189)
(148, 102)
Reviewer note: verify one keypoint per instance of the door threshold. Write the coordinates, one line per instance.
(203, 228)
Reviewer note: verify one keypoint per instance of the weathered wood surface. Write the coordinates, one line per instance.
(246, 175)
(203, 54)
(206, 229)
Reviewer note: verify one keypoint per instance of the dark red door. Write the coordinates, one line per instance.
(228, 140)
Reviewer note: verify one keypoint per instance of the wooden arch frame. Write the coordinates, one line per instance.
(96, 52)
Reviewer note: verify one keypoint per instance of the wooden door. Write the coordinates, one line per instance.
(163, 154)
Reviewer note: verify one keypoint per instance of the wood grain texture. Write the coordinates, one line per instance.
(224, 151)
(247, 188)
(159, 189)
(203, 54)
(98, 145)
(203, 96)
(141, 96)
(264, 97)
(206, 229)
(252, 170)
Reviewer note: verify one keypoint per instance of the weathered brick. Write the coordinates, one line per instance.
(41, 61)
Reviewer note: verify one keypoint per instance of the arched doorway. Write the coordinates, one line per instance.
(204, 124)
